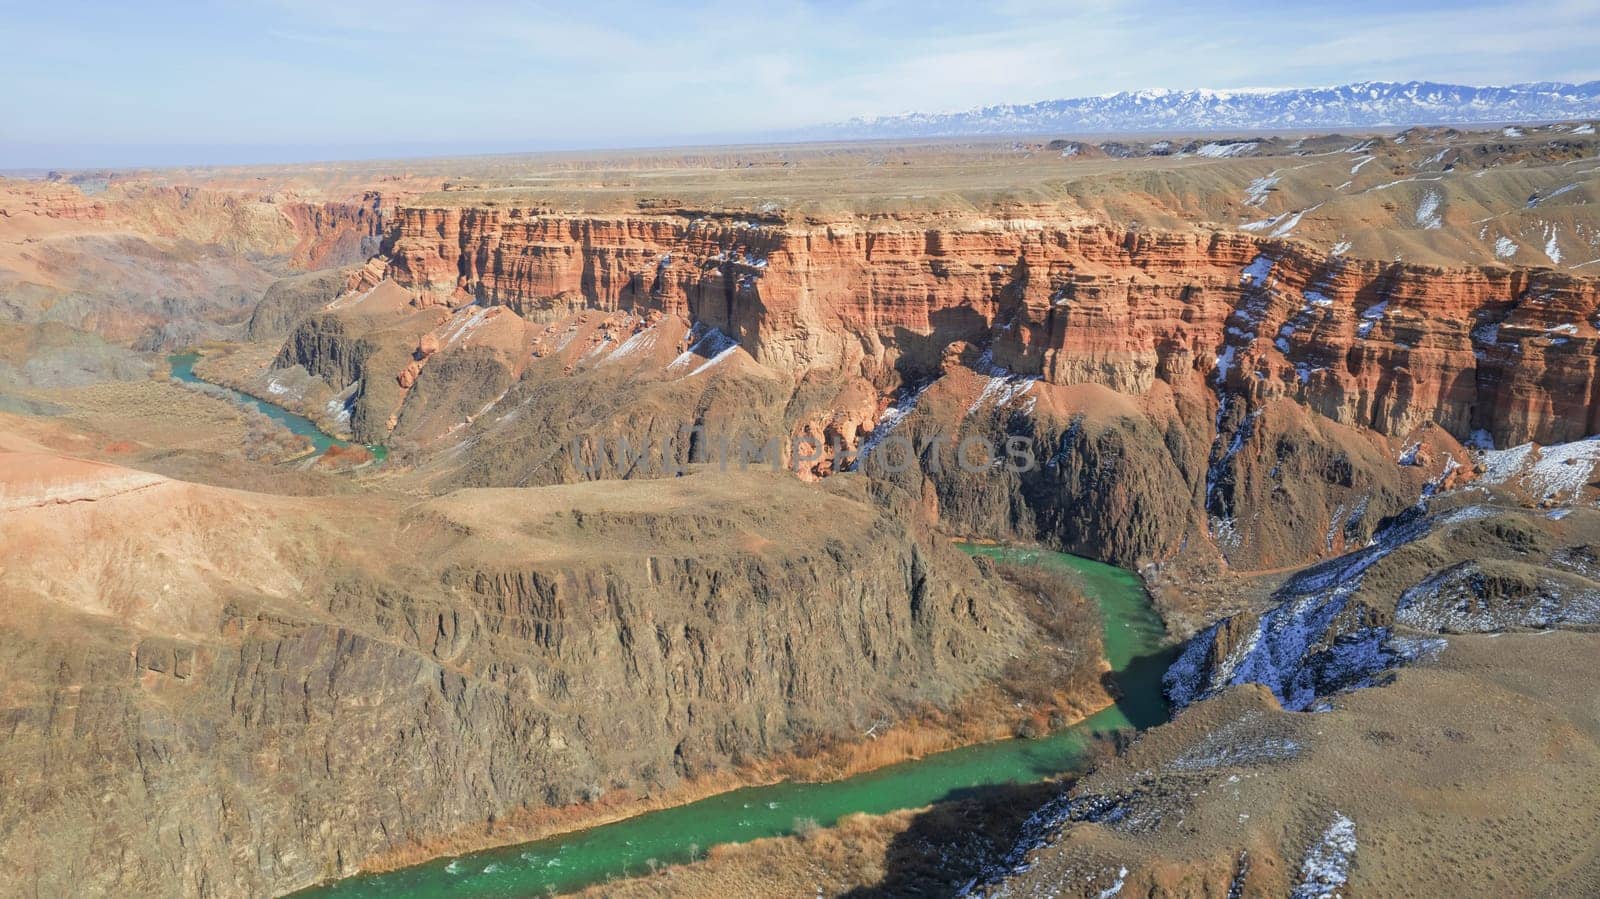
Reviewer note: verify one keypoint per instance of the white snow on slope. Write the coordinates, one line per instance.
(1428, 211)
(1558, 472)
(1552, 248)
(1116, 887)
(721, 355)
(1281, 224)
(1002, 387)
(1284, 229)
(1259, 188)
(637, 342)
(1554, 193)
(469, 323)
(1371, 316)
(1222, 151)
(1505, 248)
(1231, 745)
(1326, 868)
(339, 408)
(1257, 271)
(711, 345)
(1296, 649)
(1388, 184)
(904, 403)
(1457, 600)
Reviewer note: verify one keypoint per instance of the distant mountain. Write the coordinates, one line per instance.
(1366, 104)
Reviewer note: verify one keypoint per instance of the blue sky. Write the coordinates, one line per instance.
(91, 83)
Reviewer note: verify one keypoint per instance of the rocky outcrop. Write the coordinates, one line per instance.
(1240, 795)
(1188, 388)
(1383, 346)
(158, 266)
(290, 687)
(1320, 640)
(335, 233)
(289, 300)
(1493, 596)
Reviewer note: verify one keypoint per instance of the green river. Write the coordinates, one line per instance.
(183, 369)
(1135, 645)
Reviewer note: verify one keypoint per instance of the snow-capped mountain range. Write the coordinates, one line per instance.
(1365, 104)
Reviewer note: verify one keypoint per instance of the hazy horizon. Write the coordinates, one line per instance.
(291, 81)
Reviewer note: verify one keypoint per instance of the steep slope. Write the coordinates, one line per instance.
(228, 693)
(1441, 665)
(160, 266)
(1221, 379)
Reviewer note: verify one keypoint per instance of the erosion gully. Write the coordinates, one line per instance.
(1135, 643)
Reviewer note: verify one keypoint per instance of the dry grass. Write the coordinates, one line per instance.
(154, 413)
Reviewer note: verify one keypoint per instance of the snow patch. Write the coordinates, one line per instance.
(1116, 886)
(1505, 248)
(1537, 199)
(1461, 599)
(1223, 151)
(710, 344)
(642, 340)
(901, 406)
(1557, 472)
(1288, 226)
(340, 409)
(1232, 745)
(1257, 191)
(1257, 271)
(1428, 211)
(1552, 247)
(1326, 867)
(466, 324)
(1002, 387)
(1370, 317)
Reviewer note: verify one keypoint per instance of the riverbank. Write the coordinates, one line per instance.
(323, 443)
(1132, 634)
(985, 717)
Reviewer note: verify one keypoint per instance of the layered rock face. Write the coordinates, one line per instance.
(1385, 346)
(163, 267)
(1248, 383)
(284, 688)
(335, 233)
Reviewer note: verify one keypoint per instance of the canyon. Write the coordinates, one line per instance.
(1330, 397)
(1247, 375)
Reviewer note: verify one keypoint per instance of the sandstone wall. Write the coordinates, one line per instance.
(1378, 345)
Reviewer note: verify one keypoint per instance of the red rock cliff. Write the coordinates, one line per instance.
(1385, 346)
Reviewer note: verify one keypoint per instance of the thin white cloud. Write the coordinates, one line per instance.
(497, 72)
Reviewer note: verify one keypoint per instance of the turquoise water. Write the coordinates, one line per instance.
(1134, 638)
(183, 369)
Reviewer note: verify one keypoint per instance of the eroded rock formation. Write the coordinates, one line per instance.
(284, 688)
(1186, 386)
